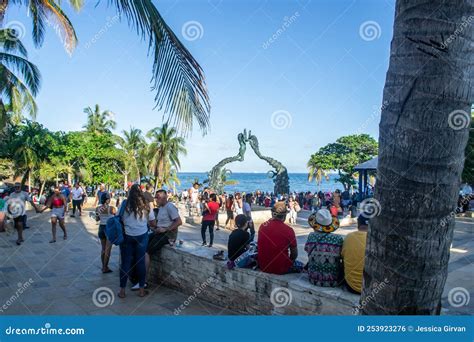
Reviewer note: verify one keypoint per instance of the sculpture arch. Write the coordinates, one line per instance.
(279, 172)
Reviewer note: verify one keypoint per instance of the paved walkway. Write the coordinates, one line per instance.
(40, 278)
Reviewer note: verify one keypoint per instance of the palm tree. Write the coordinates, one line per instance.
(20, 80)
(421, 155)
(177, 78)
(316, 173)
(165, 149)
(131, 144)
(99, 122)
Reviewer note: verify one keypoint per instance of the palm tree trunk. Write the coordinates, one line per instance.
(42, 189)
(421, 156)
(125, 181)
(29, 181)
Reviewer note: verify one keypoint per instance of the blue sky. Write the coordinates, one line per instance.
(322, 73)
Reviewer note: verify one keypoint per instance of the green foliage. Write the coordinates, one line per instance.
(342, 156)
(20, 80)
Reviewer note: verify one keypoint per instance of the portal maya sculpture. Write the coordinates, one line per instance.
(217, 176)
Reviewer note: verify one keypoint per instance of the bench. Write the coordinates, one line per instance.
(191, 270)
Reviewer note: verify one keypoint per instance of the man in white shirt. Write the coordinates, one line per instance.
(77, 196)
(16, 201)
(166, 227)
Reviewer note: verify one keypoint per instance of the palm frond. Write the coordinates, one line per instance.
(178, 79)
(27, 70)
(12, 45)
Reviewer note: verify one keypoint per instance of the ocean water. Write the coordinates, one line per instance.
(247, 182)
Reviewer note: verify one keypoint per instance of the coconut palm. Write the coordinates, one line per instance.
(99, 122)
(177, 78)
(165, 149)
(46, 13)
(316, 173)
(20, 80)
(131, 144)
(423, 134)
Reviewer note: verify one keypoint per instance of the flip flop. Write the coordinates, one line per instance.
(107, 271)
(121, 295)
(52, 241)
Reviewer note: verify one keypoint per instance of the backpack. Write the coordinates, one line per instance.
(114, 227)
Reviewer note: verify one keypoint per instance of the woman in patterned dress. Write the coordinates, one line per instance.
(324, 250)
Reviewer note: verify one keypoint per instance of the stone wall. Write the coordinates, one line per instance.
(192, 270)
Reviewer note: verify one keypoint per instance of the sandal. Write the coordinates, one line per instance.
(120, 295)
(52, 241)
(108, 270)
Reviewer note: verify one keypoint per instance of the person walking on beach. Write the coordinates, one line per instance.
(103, 212)
(77, 195)
(229, 208)
(209, 219)
(292, 209)
(58, 205)
(21, 197)
(99, 194)
(238, 205)
(137, 215)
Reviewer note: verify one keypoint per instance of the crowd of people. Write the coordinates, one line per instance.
(151, 219)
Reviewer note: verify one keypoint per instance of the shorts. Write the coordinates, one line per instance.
(102, 234)
(156, 241)
(230, 214)
(21, 218)
(58, 212)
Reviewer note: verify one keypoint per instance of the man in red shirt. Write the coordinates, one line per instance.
(211, 209)
(277, 248)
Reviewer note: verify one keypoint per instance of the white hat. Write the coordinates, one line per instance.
(323, 217)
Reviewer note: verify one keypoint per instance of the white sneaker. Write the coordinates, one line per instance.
(135, 287)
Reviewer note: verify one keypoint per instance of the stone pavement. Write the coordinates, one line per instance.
(64, 278)
(42, 278)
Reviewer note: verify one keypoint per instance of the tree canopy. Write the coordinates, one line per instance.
(342, 156)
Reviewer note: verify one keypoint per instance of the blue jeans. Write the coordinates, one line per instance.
(133, 248)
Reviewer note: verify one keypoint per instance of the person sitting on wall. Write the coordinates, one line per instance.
(240, 252)
(324, 250)
(353, 255)
(277, 247)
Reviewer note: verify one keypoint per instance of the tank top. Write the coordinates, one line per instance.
(194, 195)
(57, 202)
(104, 214)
